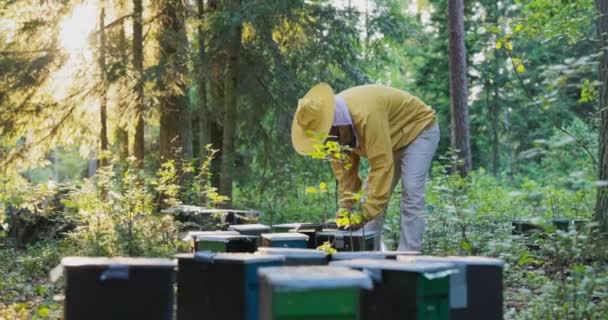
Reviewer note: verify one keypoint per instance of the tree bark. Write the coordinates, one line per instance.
(458, 85)
(215, 96)
(201, 84)
(171, 81)
(122, 134)
(233, 48)
(601, 208)
(138, 68)
(104, 88)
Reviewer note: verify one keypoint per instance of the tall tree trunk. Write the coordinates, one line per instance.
(215, 93)
(601, 208)
(201, 84)
(202, 123)
(122, 134)
(495, 110)
(231, 77)
(104, 87)
(138, 68)
(171, 83)
(458, 84)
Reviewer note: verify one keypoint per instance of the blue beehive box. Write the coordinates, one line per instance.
(284, 240)
(220, 286)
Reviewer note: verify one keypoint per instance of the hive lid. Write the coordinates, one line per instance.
(349, 255)
(314, 277)
(116, 267)
(239, 258)
(249, 227)
(191, 234)
(108, 261)
(291, 225)
(400, 253)
(294, 253)
(221, 237)
(344, 233)
(467, 260)
(284, 236)
(430, 270)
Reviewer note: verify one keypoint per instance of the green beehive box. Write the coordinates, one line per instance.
(416, 291)
(226, 243)
(284, 240)
(191, 236)
(476, 291)
(311, 293)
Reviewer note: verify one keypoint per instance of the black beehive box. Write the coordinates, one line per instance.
(347, 240)
(118, 288)
(476, 291)
(297, 257)
(226, 243)
(220, 286)
(404, 290)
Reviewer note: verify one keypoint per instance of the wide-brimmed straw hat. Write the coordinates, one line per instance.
(313, 118)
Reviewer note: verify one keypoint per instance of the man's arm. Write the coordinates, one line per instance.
(380, 155)
(347, 174)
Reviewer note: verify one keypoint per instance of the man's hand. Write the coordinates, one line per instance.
(346, 219)
(354, 226)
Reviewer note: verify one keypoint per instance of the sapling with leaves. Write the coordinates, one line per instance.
(329, 150)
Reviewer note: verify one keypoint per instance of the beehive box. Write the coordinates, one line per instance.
(311, 293)
(226, 243)
(477, 288)
(347, 240)
(220, 286)
(118, 288)
(284, 240)
(416, 291)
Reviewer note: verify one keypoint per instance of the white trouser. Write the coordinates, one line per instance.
(412, 164)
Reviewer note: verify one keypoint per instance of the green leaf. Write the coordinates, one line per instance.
(498, 44)
(466, 246)
(311, 190)
(493, 29)
(518, 27)
(43, 312)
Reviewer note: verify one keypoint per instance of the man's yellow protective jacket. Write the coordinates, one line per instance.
(385, 119)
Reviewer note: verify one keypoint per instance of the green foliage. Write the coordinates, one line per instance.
(116, 214)
(200, 189)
